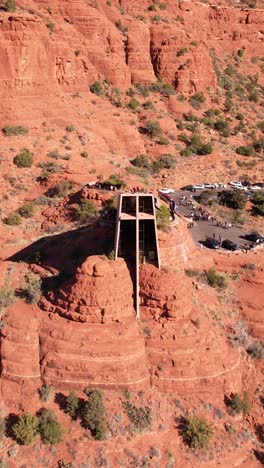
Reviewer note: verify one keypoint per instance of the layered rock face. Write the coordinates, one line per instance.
(184, 346)
(106, 349)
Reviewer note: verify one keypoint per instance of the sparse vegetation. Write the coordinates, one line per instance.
(93, 414)
(50, 429)
(32, 289)
(256, 350)
(72, 405)
(25, 429)
(27, 210)
(23, 159)
(14, 130)
(61, 189)
(240, 404)
(196, 431)
(97, 88)
(233, 199)
(152, 129)
(163, 218)
(8, 6)
(215, 280)
(7, 297)
(13, 219)
(85, 211)
(45, 392)
(141, 417)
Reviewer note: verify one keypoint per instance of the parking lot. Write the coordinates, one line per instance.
(206, 228)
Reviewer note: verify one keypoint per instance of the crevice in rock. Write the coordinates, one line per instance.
(154, 57)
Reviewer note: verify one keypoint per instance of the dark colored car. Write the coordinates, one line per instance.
(254, 237)
(229, 245)
(212, 243)
(189, 187)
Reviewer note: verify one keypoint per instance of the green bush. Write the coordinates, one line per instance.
(85, 210)
(84, 154)
(50, 429)
(97, 88)
(116, 181)
(163, 218)
(61, 189)
(168, 161)
(208, 198)
(256, 350)
(240, 52)
(7, 297)
(23, 159)
(196, 431)
(215, 280)
(9, 6)
(93, 414)
(140, 161)
(133, 104)
(245, 150)
(240, 404)
(27, 210)
(70, 128)
(14, 130)
(141, 417)
(233, 199)
(26, 428)
(152, 129)
(32, 289)
(196, 100)
(45, 392)
(72, 405)
(223, 127)
(13, 219)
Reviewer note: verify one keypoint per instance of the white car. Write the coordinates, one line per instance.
(235, 184)
(255, 187)
(166, 190)
(198, 186)
(220, 185)
(209, 186)
(241, 187)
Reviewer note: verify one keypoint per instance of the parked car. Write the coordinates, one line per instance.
(199, 186)
(229, 245)
(212, 243)
(255, 187)
(220, 185)
(188, 187)
(209, 186)
(254, 237)
(166, 190)
(241, 187)
(235, 184)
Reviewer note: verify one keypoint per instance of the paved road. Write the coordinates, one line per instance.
(202, 229)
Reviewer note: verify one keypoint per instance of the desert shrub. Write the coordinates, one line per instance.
(239, 335)
(84, 154)
(148, 105)
(240, 404)
(116, 181)
(14, 130)
(256, 350)
(50, 429)
(208, 197)
(27, 210)
(2, 428)
(233, 199)
(141, 161)
(198, 146)
(152, 129)
(97, 88)
(181, 51)
(141, 417)
(32, 289)
(7, 296)
(72, 407)
(196, 100)
(133, 104)
(240, 52)
(13, 219)
(163, 140)
(143, 90)
(223, 127)
(49, 168)
(229, 70)
(70, 128)
(45, 392)
(258, 203)
(93, 414)
(23, 159)
(61, 189)
(215, 280)
(85, 210)
(168, 161)
(26, 428)
(245, 150)
(123, 29)
(260, 125)
(163, 218)
(196, 431)
(8, 5)
(258, 145)
(192, 273)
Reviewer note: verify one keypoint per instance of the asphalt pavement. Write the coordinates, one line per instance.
(202, 229)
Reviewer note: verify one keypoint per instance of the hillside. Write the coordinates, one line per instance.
(140, 94)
